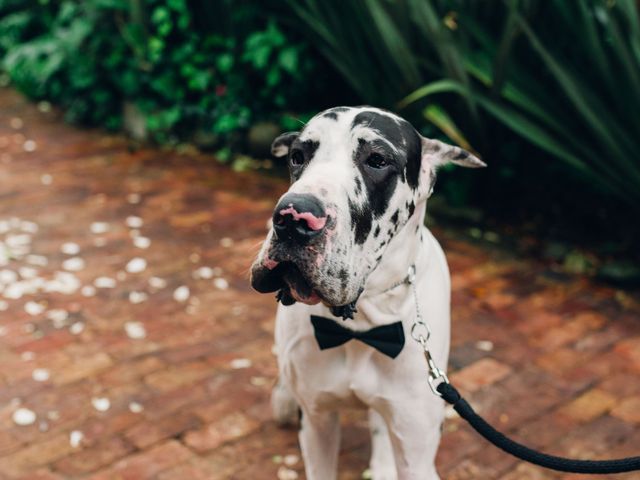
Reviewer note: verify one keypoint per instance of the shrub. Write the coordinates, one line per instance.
(187, 68)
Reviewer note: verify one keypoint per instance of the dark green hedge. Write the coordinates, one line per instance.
(546, 91)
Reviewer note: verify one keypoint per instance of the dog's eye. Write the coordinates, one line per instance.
(296, 159)
(375, 160)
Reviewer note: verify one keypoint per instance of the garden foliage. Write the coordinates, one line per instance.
(190, 68)
(546, 91)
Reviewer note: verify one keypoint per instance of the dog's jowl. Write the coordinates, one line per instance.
(343, 239)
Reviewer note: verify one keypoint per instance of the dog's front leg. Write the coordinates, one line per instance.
(415, 430)
(320, 443)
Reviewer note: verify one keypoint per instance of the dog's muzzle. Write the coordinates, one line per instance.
(291, 260)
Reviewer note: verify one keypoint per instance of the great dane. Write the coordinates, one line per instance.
(342, 240)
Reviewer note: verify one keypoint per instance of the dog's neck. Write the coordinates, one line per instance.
(405, 249)
(386, 290)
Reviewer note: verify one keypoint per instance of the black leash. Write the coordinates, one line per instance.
(440, 386)
(480, 425)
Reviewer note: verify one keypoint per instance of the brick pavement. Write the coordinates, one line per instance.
(149, 357)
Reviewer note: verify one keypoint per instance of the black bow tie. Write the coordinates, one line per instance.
(387, 339)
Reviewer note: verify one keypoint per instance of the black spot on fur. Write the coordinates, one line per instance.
(376, 232)
(308, 149)
(339, 109)
(358, 186)
(379, 184)
(461, 156)
(331, 115)
(399, 133)
(360, 223)
(344, 278)
(394, 217)
(411, 207)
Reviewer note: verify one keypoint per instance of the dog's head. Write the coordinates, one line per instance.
(358, 175)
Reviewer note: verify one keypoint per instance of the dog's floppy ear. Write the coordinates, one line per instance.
(438, 153)
(280, 146)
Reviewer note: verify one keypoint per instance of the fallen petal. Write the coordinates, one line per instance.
(24, 416)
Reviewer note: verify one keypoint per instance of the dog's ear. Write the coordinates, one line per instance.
(280, 146)
(438, 153)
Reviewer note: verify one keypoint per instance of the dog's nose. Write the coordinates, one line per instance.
(299, 217)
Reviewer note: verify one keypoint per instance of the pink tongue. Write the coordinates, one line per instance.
(314, 222)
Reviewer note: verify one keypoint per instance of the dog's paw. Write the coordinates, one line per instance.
(285, 410)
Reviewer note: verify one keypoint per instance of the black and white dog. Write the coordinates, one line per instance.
(343, 239)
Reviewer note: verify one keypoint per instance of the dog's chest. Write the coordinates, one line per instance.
(351, 375)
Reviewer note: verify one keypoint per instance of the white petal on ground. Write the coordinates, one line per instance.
(37, 260)
(28, 272)
(239, 363)
(16, 123)
(285, 473)
(141, 242)
(134, 222)
(88, 291)
(136, 265)
(77, 328)
(53, 415)
(137, 297)
(75, 438)
(27, 356)
(221, 284)
(484, 345)
(181, 294)
(135, 330)
(101, 404)
(204, 273)
(29, 227)
(135, 407)
(46, 179)
(74, 264)
(99, 227)
(104, 282)
(15, 290)
(157, 282)
(226, 242)
(29, 146)
(58, 317)
(24, 416)
(291, 460)
(33, 308)
(99, 242)
(70, 248)
(8, 276)
(40, 375)
(17, 240)
(134, 198)
(63, 282)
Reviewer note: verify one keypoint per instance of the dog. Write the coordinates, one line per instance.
(342, 241)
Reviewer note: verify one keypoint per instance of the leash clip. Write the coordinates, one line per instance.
(436, 375)
(421, 333)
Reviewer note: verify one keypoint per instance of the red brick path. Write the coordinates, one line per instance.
(129, 382)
